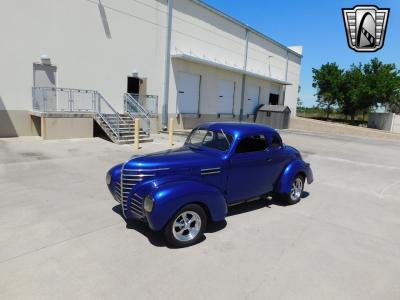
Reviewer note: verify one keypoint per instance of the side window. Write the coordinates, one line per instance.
(276, 142)
(252, 144)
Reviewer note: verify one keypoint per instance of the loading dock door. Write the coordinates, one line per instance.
(226, 91)
(253, 96)
(188, 89)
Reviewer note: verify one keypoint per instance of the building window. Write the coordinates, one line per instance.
(273, 99)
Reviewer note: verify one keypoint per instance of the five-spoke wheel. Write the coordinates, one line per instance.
(186, 227)
(296, 190)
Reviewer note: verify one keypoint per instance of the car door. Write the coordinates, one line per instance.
(247, 172)
(277, 159)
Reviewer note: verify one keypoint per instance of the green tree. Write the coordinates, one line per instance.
(353, 92)
(328, 81)
(382, 84)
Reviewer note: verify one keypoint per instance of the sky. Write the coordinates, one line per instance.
(317, 26)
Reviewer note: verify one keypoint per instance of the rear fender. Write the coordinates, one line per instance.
(172, 196)
(292, 169)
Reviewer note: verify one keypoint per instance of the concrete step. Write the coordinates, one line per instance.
(132, 141)
(132, 136)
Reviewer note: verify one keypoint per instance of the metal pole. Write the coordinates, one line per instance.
(286, 78)
(244, 75)
(167, 66)
(171, 131)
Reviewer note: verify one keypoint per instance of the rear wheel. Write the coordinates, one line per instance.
(296, 190)
(186, 227)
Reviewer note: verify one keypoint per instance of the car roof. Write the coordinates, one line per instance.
(238, 129)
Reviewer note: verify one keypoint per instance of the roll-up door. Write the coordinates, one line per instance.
(226, 90)
(188, 88)
(253, 96)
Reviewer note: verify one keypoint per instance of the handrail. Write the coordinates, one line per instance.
(137, 104)
(63, 89)
(104, 117)
(136, 110)
(143, 101)
(56, 99)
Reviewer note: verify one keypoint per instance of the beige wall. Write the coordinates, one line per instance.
(67, 128)
(71, 33)
(17, 123)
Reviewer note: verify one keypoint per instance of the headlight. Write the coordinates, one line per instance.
(108, 178)
(148, 204)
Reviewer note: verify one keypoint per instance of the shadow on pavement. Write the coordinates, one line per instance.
(157, 239)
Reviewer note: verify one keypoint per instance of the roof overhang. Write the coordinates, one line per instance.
(215, 64)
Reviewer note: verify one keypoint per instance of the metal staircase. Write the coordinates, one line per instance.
(120, 128)
(126, 128)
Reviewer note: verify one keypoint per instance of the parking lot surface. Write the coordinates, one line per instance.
(62, 235)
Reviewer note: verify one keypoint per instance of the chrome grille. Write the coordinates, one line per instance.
(117, 192)
(136, 205)
(129, 179)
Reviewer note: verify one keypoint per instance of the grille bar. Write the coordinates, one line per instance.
(129, 179)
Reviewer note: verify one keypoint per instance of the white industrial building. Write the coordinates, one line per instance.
(200, 63)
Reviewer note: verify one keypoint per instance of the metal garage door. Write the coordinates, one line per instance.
(253, 96)
(226, 91)
(188, 93)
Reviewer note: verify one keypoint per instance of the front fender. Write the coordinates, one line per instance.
(172, 196)
(292, 169)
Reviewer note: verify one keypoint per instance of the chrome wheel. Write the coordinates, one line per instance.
(186, 226)
(297, 189)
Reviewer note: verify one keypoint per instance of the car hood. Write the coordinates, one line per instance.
(184, 157)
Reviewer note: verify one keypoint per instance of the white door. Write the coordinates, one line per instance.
(188, 88)
(45, 76)
(253, 97)
(226, 91)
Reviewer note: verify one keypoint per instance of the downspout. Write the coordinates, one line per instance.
(244, 75)
(167, 67)
(286, 76)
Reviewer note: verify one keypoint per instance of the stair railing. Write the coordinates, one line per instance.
(67, 100)
(136, 110)
(108, 114)
(62, 100)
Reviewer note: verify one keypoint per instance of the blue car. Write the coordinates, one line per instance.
(221, 164)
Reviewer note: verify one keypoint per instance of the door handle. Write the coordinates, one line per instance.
(181, 92)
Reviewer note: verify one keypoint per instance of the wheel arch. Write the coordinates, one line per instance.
(293, 169)
(172, 197)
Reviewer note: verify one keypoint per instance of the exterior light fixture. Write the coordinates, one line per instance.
(45, 59)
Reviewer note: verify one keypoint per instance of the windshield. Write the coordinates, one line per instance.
(216, 139)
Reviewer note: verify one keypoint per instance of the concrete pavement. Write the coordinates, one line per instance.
(62, 237)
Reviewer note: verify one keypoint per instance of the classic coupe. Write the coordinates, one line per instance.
(221, 164)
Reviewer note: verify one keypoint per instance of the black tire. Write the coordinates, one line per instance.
(294, 196)
(196, 222)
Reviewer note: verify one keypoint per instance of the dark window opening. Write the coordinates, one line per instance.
(252, 144)
(273, 99)
(133, 86)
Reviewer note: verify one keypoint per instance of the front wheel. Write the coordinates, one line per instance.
(186, 227)
(296, 190)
